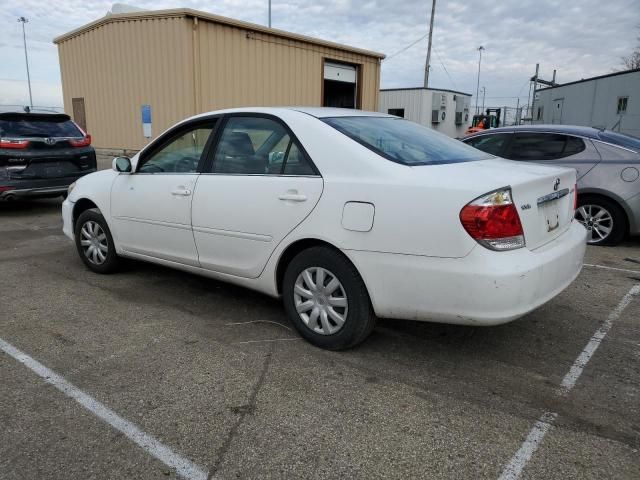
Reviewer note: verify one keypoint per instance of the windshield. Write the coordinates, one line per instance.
(405, 142)
(23, 128)
(621, 139)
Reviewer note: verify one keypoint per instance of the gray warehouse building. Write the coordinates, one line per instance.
(608, 101)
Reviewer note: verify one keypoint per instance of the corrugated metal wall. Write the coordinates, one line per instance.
(120, 65)
(241, 68)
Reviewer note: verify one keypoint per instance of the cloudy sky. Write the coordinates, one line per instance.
(579, 38)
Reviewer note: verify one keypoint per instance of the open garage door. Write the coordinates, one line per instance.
(340, 88)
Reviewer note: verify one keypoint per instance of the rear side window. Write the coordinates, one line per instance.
(493, 144)
(25, 127)
(257, 145)
(405, 142)
(543, 146)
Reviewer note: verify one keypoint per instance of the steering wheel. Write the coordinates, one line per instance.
(187, 164)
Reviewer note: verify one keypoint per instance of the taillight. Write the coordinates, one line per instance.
(493, 221)
(6, 189)
(7, 143)
(83, 142)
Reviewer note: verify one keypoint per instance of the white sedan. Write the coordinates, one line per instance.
(346, 215)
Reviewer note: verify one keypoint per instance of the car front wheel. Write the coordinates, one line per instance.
(604, 220)
(326, 299)
(95, 243)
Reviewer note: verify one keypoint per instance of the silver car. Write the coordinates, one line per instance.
(607, 162)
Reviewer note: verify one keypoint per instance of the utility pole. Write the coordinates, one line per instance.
(269, 13)
(23, 20)
(428, 62)
(484, 92)
(480, 49)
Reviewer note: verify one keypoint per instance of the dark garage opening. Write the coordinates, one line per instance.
(339, 94)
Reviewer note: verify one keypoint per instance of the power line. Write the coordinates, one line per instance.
(407, 47)
(445, 68)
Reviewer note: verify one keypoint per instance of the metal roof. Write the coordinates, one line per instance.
(422, 88)
(590, 79)
(209, 17)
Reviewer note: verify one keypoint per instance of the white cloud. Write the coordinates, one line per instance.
(578, 38)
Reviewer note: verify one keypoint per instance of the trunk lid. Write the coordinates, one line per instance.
(543, 195)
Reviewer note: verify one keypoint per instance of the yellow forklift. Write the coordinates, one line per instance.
(485, 121)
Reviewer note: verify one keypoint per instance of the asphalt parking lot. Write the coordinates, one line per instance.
(215, 375)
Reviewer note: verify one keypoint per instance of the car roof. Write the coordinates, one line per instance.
(590, 132)
(330, 112)
(318, 112)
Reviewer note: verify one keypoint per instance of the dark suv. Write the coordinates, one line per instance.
(41, 154)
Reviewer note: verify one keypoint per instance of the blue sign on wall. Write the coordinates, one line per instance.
(146, 120)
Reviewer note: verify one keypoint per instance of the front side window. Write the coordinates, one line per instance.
(258, 145)
(493, 144)
(181, 154)
(543, 146)
(405, 142)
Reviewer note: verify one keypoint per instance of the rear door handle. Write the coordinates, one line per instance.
(293, 197)
(183, 192)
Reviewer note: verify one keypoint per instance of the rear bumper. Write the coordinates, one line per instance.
(483, 288)
(41, 187)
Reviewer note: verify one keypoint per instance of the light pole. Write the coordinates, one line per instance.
(480, 49)
(484, 92)
(269, 13)
(23, 20)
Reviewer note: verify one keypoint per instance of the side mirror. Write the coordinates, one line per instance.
(121, 164)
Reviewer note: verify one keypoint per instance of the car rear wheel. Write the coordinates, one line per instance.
(326, 299)
(95, 243)
(604, 220)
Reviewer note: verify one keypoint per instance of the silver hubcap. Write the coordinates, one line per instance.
(597, 220)
(94, 242)
(320, 300)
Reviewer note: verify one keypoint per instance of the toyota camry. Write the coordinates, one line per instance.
(346, 215)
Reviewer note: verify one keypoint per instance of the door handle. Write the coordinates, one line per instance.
(183, 192)
(293, 197)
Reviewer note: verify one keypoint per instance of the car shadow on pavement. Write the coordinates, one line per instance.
(34, 207)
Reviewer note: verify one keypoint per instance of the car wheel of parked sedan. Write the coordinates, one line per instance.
(604, 220)
(326, 299)
(95, 243)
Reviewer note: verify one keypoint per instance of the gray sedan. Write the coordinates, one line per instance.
(608, 165)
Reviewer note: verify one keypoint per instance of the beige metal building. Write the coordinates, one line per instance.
(183, 62)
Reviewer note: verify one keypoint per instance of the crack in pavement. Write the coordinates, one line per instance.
(242, 412)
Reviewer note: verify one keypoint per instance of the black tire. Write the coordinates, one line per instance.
(359, 319)
(111, 261)
(618, 223)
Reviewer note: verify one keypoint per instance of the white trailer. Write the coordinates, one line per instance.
(446, 111)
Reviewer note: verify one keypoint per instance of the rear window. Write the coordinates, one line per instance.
(26, 127)
(405, 142)
(621, 139)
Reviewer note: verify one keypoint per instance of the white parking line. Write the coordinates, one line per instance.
(604, 267)
(184, 467)
(513, 469)
(571, 378)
